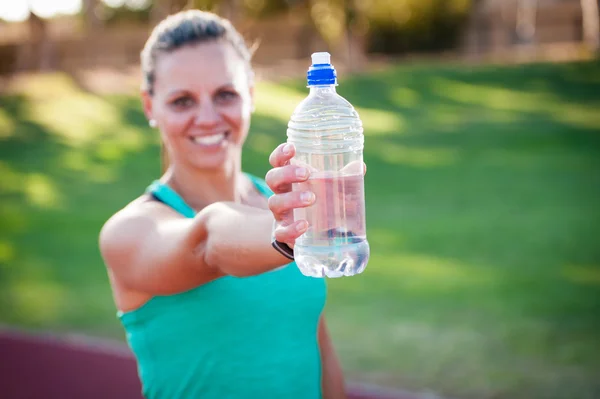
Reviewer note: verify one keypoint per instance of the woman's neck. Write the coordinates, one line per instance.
(200, 188)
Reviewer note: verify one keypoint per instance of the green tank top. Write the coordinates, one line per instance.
(253, 337)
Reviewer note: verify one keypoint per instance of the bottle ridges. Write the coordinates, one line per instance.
(329, 128)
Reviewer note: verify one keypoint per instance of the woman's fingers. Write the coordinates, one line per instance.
(282, 155)
(289, 233)
(283, 204)
(280, 179)
(283, 174)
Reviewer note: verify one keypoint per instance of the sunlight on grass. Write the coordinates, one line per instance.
(405, 97)
(87, 117)
(91, 126)
(77, 117)
(395, 349)
(375, 122)
(13, 218)
(79, 161)
(491, 97)
(378, 123)
(423, 272)
(101, 174)
(586, 275)
(126, 139)
(385, 238)
(446, 116)
(7, 125)
(528, 160)
(262, 143)
(75, 161)
(44, 86)
(38, 189)
(11, 179)
(41, 191)
(420, 157)
(578, 115)
(38, 301)
(277, 101)
(7, 251)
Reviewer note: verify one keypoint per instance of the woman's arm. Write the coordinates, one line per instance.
(239, 238)
(152, 249)
(333, 378)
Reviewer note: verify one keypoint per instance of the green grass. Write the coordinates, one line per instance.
(483, 213)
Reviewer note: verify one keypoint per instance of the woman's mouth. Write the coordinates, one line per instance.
(211, 140)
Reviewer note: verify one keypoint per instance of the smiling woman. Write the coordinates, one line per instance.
(210, 308)
(206, 135)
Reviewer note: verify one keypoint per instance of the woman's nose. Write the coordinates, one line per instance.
(207, 115)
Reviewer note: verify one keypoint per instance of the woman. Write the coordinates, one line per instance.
(210, 308)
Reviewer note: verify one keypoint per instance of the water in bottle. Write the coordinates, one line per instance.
(328, 136)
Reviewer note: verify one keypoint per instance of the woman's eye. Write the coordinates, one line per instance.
(225, 96)
(183, 102)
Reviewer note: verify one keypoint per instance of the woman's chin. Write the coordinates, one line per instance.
(212, 162)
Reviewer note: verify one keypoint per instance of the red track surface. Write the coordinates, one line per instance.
(34, 367)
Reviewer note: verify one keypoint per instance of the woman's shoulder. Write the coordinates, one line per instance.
(127, 227)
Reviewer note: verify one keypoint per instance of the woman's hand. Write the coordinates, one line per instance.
(283, 203)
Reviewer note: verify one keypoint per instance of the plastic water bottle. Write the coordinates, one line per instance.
(328, 136)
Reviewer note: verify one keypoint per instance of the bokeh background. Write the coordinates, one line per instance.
(482, 124)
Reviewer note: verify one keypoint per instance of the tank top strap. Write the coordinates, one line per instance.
(169, 197)
(165, 194)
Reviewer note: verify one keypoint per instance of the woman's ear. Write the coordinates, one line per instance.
(147, 104)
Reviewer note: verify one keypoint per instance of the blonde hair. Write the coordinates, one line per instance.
(187, 28)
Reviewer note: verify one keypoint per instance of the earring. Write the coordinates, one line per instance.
(152, 123)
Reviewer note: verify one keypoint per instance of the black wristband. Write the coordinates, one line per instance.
(283, 249)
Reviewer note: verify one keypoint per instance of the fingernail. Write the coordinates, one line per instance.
(301, 173)
(287, 149)
(301, 226)
(307, 197)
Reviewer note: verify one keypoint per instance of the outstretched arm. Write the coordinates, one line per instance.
(152, 249)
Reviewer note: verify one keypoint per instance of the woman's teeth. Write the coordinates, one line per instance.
(210, 140)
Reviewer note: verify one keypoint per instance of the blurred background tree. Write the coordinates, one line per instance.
(388, 26)
(350, 29)
(591, 24)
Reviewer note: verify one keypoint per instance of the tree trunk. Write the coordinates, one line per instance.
(37, 53)
(526, 21)
(92, 22)
(591, 25)
(163, 8)
(229, 9)
(307, 32)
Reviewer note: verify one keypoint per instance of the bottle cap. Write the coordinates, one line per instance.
(321, 72)
(321, 58)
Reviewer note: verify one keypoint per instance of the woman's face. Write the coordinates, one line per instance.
(202, 103)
